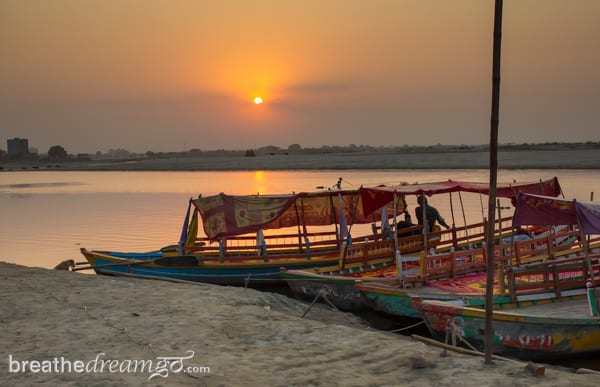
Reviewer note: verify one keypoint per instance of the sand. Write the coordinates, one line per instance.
(244, 337)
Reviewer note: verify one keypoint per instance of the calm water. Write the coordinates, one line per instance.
(48, 215)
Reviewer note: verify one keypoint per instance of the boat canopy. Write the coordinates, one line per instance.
(227, 215)
(376, 197)
(538, 210)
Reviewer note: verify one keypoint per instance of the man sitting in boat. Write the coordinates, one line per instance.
(406, 223)
(431, 214)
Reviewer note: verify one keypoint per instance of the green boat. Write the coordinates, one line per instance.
(560, 316)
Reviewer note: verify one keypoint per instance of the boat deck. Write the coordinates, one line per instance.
(577, 308)
(473, 284)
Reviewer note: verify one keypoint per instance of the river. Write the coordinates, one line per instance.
(48, 215)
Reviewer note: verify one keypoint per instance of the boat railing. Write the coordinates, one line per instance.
(413, 243)
(384, 248)
(549, 246)
(451, 264)
(440, 265)
(474, 234)
(294, 243)
(551, 276)
(279, 243)
(455, 238)
(283, 245)
(443, 240)
(446, 262)
(367, 252)
(453, 257)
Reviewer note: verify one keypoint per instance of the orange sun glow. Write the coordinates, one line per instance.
(258, 100)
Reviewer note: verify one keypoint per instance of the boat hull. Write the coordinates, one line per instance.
(339, 290)
(254, 273)
(397, 301)
(525, 336)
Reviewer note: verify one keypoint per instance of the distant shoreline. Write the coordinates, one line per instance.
(546, 159)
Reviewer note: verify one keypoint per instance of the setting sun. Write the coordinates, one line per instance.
(258, 100)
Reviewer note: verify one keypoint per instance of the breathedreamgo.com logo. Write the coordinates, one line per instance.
(162, 366)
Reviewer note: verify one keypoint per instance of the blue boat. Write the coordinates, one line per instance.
(250, 271)
(240, 247)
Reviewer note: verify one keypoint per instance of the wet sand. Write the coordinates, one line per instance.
(242, 336)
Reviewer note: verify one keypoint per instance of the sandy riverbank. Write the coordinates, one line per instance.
(245, 337)
(555, 159)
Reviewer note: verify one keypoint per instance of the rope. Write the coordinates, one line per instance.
(329, 302)
(408, 327)
(311, 304)
(453, 328)
(321, 294)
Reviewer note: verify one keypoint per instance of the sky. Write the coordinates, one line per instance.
(176, 75)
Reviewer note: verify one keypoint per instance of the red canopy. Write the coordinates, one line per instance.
(226, 215)
(374, 198)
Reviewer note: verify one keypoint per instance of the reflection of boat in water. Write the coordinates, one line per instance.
(422, 258)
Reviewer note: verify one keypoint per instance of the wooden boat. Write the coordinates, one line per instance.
(338, 286)
(543, 279)
(239, 248)
(224, 271)
(544, 330)
(550, 319)
(368, 262)
(417, 264)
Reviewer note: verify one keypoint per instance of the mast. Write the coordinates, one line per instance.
(489, 290)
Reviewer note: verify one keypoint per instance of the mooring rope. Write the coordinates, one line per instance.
(453, 329)
(408, 327)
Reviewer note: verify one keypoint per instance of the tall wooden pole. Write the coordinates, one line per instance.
(489, 296)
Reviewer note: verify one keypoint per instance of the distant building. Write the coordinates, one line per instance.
(17, 148)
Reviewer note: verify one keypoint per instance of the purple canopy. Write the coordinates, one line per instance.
(537, 210)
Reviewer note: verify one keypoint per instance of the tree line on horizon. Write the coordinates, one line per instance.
(352, 148)
(58, 153)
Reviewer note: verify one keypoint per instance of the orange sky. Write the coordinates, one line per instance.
(174, 75)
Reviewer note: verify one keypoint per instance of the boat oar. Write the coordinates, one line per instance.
(167, 261)
(128, 263)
